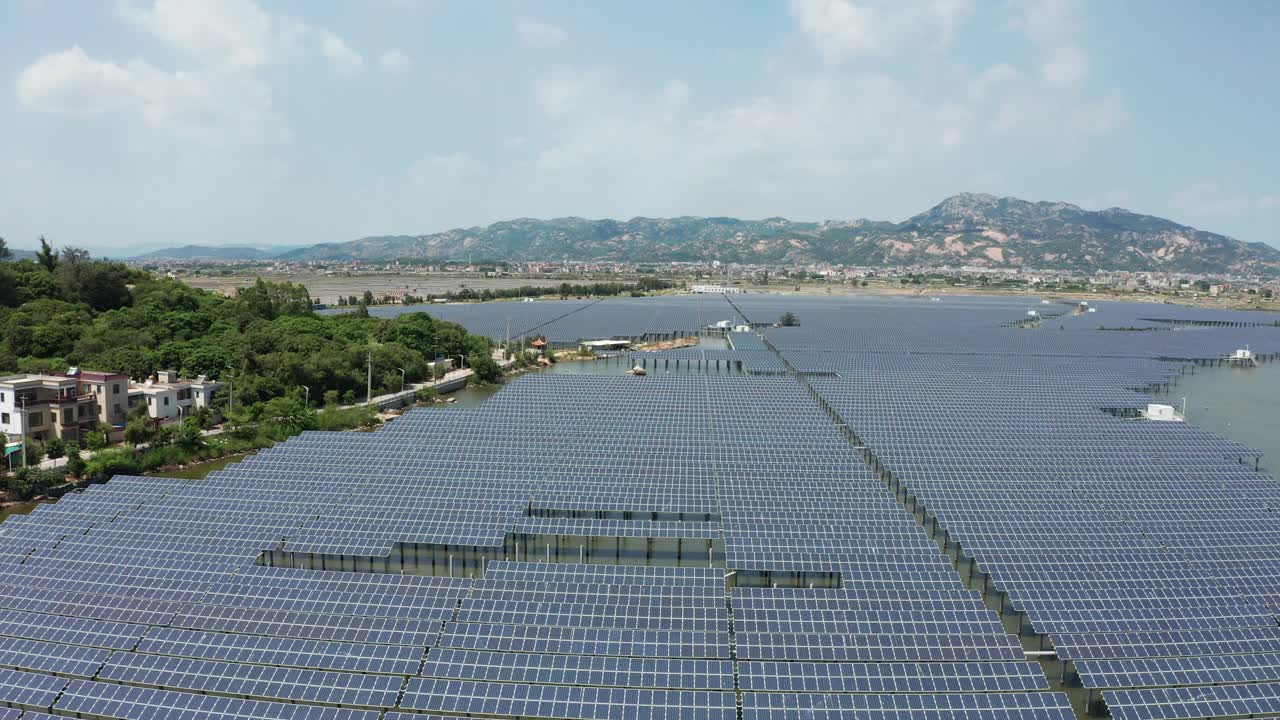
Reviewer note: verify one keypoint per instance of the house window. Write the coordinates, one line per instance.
(4, 418)
(166, 401)
(35, 418)
(115, 389)
(1, 397)
(149, 399)
(115, 410)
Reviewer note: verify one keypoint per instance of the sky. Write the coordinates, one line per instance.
(128, 125)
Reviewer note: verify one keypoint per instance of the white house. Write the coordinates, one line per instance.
(169, 398)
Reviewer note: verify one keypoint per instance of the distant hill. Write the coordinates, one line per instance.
(967, 229)
(209, 252)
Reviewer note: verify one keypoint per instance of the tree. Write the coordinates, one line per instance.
(107, 464)
(368, 297)
(75, 465)
(189, 437)
(139, 429)
(788, 320)
(485, 368)
(362, 310)
(55, 448)
(286, 412)
(96, 440)
(46, 256)
(5, 253)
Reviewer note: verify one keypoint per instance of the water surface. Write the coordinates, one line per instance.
(1240, 403)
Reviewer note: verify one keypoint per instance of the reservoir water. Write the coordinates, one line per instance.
(1240, 403)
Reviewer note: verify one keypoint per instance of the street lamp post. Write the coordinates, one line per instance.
(401, 379)
(306, 390)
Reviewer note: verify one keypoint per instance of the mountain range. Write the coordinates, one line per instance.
(966, 229)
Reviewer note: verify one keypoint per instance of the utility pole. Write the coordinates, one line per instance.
(368, 390)
(24, 431)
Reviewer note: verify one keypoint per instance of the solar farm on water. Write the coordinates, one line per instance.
(898, 509)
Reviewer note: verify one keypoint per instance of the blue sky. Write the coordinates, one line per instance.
(133, 124)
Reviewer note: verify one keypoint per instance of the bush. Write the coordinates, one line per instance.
(28, 482)
(346, 418)
(96, 440)
(332, 398)
(158, 457)
(139, 430)
(109, 463)
(75, 465)
(35, 453)
(426, 394)
(189, 437)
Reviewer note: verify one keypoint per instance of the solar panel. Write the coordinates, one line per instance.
(826, 513)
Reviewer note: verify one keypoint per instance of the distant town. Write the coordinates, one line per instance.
(393, 282)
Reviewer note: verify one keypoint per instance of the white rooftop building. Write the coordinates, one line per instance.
(168, 397)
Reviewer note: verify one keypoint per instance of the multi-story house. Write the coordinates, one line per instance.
(42, 407)
(168, 397)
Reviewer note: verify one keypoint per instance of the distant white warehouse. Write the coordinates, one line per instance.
(716, 289)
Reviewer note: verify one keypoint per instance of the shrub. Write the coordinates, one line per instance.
(28, 482)
(75, 465)
(109, 463)
(55, 448)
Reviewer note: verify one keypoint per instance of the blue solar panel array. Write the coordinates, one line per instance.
(835, 535)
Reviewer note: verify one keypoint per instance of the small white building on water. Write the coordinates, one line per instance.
(1161, 412)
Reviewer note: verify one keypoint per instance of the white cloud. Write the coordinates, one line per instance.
(837, 27)
(538, 34)
(562, 89)
(71, 82)
(396, 60)
(991, 78)
(1047, 22)
(220, 97)
(840, 29)
(340, 53)
(676, 93)
(235, 34)
(1095, 117)
(1066, 67)
(202, 106)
